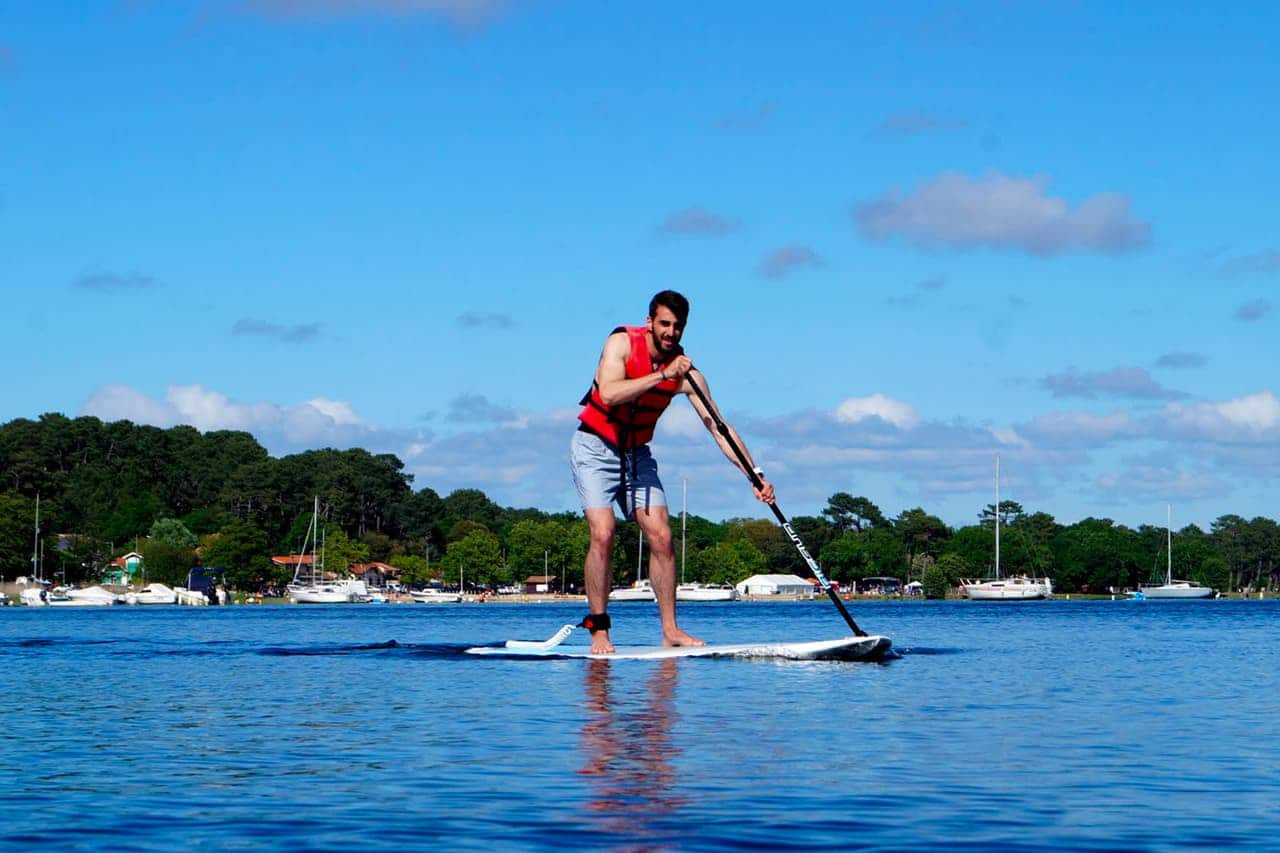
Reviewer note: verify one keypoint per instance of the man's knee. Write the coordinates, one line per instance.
(658, 538)
(602, 530)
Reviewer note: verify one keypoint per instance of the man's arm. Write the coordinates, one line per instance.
(611, 373)
(765, 492)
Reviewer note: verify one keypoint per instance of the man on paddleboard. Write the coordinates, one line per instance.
(641, 370)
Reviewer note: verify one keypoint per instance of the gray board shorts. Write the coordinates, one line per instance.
(597, 474)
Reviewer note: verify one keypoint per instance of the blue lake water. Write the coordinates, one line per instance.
(1050, 725)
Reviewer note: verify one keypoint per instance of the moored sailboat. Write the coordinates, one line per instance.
(309, 585)
(697, 591)
(1172, 589)
(1013, 588)
(641, 590)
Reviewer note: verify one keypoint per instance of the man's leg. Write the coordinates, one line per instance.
(596, 571)
(656, 526)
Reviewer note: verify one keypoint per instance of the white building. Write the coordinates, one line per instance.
(775, 585)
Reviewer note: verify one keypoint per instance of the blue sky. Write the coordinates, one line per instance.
(913, 235)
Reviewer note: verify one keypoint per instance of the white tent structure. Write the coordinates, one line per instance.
(775, 585)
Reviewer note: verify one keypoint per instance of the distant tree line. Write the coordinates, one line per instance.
(181, 497)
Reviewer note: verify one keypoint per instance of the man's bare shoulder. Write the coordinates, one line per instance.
(617, 345)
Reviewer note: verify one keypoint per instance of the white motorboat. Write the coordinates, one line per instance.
(93, 596)
(152, 593)
(35, 596)
(1172, 589)
(435, 596)
(705, 592)
(639, 591)
(1013, 588)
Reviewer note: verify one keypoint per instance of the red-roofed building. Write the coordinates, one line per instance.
(375, 574)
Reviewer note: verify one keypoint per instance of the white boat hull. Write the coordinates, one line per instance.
(434, 596)
(94, 596)
(323, 594)
(1009, 589)
(632, 594)
(698, 592)
(32, 597)
(155, 593)
(1177, 590)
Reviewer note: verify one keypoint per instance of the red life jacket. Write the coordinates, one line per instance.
(629, 425)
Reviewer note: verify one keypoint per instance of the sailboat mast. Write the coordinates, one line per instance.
(1168, 529)
(684, 518)
(35, 545)
(315, 536)
(997, 516)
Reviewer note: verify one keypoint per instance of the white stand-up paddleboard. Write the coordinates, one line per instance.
(845, 648)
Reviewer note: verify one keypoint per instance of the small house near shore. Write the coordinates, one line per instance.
(375, 575)
(122, 569)
(539, 583)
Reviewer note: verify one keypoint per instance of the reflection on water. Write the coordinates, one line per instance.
(628, 750)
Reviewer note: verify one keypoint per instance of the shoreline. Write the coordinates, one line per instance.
(12, 591)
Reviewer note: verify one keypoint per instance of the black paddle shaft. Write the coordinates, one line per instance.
(723, 429)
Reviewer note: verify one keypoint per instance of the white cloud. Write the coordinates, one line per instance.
(680, 421)
(1155, 478)
(874, 445)
(1010, 437)
(122, 403)
(318, 422)
(1250, 418)
(1073, 429)
(854, 409)
(338, 411)
(1002, 212)
(207, 410)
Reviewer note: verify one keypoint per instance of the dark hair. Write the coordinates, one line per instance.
(673, 301)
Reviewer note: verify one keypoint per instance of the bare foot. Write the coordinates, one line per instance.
(600, 644)
(676, 637)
